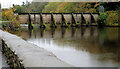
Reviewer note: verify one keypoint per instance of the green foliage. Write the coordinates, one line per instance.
(30, 7)
(0, 6)
(84, 8)
(0, 13)
(51, 7)
(42, 23)
(32, 23)
(102, 19)
(65, 7)
(8, 15)
(69, 7)
(113, 18)
(19, 9)
(66, 23)
(15, 23)
(109, 18)
(35, 6)
(55, 23)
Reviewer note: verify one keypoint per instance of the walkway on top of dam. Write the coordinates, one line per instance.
(56, 13)
(32, 55)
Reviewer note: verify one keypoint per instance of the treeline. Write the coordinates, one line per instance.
(56, 7)
(0, 6)
(64, 7)
(69, 7)
(0, 13)
(110, 16)
(29, 7)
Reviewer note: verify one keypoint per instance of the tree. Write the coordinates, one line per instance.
(0, 6)
(74, 7)
(19, 9)
(51, 7)
(23, 3)
(65, 7)
(0, 13)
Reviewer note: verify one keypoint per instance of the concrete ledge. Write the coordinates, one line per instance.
(32, 55)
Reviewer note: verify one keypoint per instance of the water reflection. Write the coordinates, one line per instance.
(53, 32)
(82, 47)
(73, 32)
(63, 31)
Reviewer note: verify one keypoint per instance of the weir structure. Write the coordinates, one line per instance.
(64, 19)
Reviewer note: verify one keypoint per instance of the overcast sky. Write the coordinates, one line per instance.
(9, 3)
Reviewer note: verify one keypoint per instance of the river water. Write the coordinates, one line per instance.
(80, 47)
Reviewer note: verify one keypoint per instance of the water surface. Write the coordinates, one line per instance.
(81, 47)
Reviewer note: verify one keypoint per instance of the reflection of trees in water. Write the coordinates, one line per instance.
(92, 29)
(82, 31)
(63, 31)
(119, 45)
(102, 35)
(42, 32)
(30, 32)
(73, 32)
(108, 50)
(53, 32)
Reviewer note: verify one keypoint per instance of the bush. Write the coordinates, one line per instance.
(113, 18)
(8, 15)
(15, 23)
(102, 19)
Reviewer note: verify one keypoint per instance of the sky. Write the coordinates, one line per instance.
(9, 3)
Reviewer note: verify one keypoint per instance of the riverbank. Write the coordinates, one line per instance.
(27, 52)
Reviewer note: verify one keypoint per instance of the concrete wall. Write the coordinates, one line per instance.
(23, 19)
(57, 18)
(68, 18)
(87, 17)
(37, 18)
(95, 17)
(77, 17)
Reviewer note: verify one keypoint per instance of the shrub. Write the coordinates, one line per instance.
(113, 18)
(102, 19)
(8, 15)
(15, 23)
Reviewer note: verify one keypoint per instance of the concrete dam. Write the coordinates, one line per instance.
(58, 18)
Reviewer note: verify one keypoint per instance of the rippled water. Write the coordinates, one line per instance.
(81, 47)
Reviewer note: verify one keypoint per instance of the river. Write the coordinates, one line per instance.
(80, 47)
